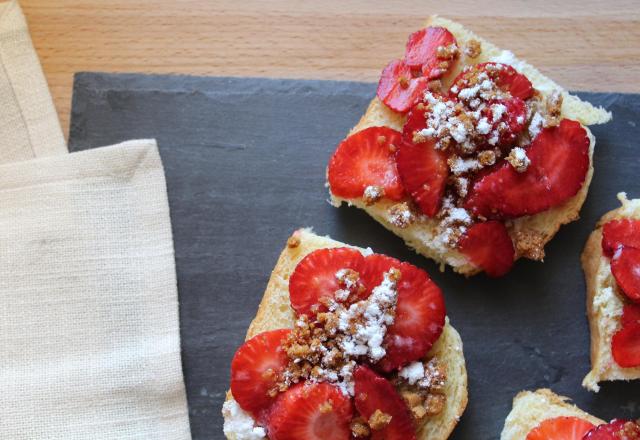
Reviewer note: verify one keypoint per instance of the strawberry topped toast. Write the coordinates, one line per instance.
(611, 263)
(346, 344)
(543, 415)
(470, 155)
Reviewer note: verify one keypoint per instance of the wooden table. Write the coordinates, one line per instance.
(583, 44)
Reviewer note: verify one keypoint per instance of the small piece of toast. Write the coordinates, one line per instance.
(529, 233)
(605, 301)
(275, 312)
(530, 408)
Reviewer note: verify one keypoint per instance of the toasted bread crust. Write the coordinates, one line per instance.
(530, 408)
(275, 312)
(604, 302)
(531, 233)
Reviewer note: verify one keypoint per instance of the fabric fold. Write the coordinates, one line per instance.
(89, 330)
(29, 125)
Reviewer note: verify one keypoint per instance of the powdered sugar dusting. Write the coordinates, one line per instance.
(239, 424)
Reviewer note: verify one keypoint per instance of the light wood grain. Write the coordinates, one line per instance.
(584, 45)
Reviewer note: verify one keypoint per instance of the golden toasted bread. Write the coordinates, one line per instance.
(529, 234)
(275, 312)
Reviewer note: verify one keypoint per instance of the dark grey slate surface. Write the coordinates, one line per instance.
(245, 161)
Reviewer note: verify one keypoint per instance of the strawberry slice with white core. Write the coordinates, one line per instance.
(254, 371)
(625, 345)
(315, 279)
(616, 233)
(311, 411)
(505, 77)
(366, 158)
(625, 266)
(376, 265)
(399, 88)
(617, 429)
(559, 162)
(419, 319)
(561, 428)
(422, 168)
(422, 51)
(375, 394)
(489, 246)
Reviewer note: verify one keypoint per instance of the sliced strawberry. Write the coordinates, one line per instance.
(419, 320)
(620, 232)
(314, 278)
(559, 163)
(375, 266)
(422, 50)
(398, 88)
(423, 170)
(307, 411)
(625, 266)
(625, 346)
(505, 77)
(630, 314)
(513, 113)
(372, 393)
(366, 158)
(254, 371)
(489, 246)
(560, 428)
(617, 429)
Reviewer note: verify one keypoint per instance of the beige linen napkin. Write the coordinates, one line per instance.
(89, 334)
(29, 125)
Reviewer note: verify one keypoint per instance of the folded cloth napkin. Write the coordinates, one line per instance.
(29, 125)
(89, 334)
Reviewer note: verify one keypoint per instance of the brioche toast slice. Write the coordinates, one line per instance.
(530, 233)
(530, 408)
(604, 301)
(275, 312)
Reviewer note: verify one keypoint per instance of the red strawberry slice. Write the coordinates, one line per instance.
(254, 371)
(505, 77)
(630, 314)
(625, 266)
(617, 429)
(372, 393)
(561, 428)
(307, 411)
(559, 163)
(366, 158)
(419, 320)
(620, 232)
(625, 345)
(314, 278)
(398, 88)
(422, 50)
(423, 170)
(375, 266)
(513, 114)
(489, 246)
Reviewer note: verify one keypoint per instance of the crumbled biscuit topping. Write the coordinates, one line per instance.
(326, 350)
(372, 194)
(473, 49)
(293, 241)
(422, 387)
(400, 215)
(360, 428)
(379, 420)
(518, 159)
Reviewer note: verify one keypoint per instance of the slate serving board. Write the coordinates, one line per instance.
(245, 162)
